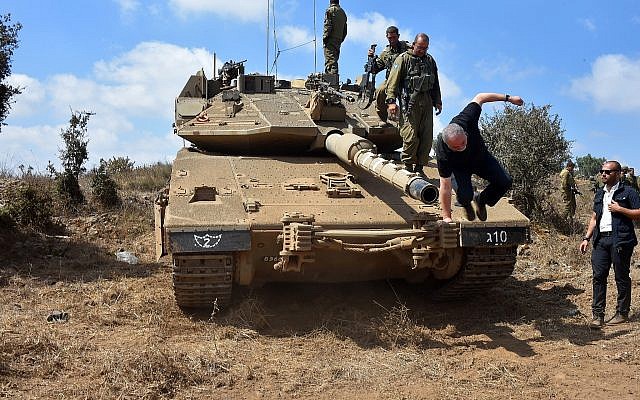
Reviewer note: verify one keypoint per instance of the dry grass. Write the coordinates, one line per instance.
(126, 338)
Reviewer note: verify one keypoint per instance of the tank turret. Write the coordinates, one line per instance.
(290, 181)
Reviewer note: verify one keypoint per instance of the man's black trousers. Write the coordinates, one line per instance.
(486, 168)
(604, 254)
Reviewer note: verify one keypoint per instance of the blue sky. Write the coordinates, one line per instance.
(126, 60)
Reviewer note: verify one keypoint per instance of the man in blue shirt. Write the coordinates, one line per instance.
(615, 206)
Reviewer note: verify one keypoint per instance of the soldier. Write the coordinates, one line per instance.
(335, 30)
(414, 79)
(569, 191)
(632, 180)
(385, 61)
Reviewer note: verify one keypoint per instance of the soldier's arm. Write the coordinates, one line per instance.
(394, 79)
(436, 95)
(328, 25)
(344, 33)
(482, 98)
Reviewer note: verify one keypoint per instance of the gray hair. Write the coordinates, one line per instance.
(452, 131)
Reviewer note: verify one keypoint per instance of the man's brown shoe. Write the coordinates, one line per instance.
(597, 323)
(618, 319)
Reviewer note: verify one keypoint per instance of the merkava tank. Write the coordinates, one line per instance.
(293, 182)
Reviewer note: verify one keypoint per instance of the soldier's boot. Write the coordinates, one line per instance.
(419, 169)
(409, 167)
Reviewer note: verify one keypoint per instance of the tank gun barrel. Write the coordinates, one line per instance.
(353, 149)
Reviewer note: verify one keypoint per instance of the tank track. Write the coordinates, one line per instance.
(486, 267)
(203, 282)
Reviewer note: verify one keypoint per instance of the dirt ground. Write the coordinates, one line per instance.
(125, 338)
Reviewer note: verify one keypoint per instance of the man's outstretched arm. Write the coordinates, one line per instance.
(482, 98)
(445, 198)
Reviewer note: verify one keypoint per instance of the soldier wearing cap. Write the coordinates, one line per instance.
(385, 61)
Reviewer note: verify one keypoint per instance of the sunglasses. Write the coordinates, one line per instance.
(608, 171)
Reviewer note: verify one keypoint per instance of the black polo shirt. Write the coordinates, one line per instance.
(449, 160)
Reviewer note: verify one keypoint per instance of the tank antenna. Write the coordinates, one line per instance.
(315, 40)
(267, 71)
(214, 65)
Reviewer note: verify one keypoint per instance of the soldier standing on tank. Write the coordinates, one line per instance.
(413, 82)
(335, 30)
(615, 206)
(568, 186)
(385, 61)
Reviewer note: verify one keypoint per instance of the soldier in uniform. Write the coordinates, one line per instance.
(385, 61)
(632, 180)
(568, 185)
(413, 82)
(335, 30)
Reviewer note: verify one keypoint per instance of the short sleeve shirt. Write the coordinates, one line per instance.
(449, 160)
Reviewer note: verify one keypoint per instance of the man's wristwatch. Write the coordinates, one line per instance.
(586, 238)
(506, 98)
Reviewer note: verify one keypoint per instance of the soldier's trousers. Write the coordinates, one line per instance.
(569, 206)
(416, 130)
(381, 101)
(331, 55)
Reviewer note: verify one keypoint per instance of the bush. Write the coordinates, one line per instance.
(104, 188)
(119, 165)
(530, 143)
(28, 206)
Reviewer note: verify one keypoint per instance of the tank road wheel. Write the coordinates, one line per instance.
(485, 267)
(203, 281)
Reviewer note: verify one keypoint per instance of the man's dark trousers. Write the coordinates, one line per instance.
(604, 254)
(486, 168)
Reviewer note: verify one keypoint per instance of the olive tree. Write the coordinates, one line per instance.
(529, 141)
(589, 165)
(8, 43)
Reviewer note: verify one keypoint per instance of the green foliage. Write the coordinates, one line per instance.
(73, 156)
(119, 165)
(148, 178)
(68, 187)
(29, 206)
(105, 190)
(530, 143)
(589, 165)
(8, 43)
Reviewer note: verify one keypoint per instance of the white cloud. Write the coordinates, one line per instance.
(612, 85)
(292, 36)
(505, 68)
(371, 29)
(135, 89)
(249, 11)
(128, 6)
(32, 94)
(588, 24)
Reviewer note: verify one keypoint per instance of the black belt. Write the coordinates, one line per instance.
(606, 233)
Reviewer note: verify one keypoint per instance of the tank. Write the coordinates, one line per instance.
(290, 181)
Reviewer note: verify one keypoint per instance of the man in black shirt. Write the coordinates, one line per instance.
(461, 151)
